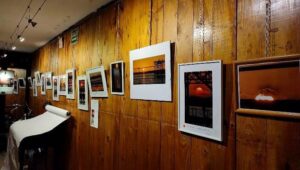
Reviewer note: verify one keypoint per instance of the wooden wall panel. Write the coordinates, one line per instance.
(136, 134)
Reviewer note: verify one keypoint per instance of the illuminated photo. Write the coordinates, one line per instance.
(48, 80)
(62, 85)
(82, 94)
(97, 82)
(272, 86)
(117, 77)
(150, 72)
(43, 84)
(200, 99)
(55, 89)
(70, 84)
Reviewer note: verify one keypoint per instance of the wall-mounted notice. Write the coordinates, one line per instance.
(74, 36)
(94, 113)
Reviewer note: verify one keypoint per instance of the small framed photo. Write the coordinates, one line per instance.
(200, 99)
(34, 87)
(94, 113)
(70, 84)
(150, 73)
(55, 88)
(29, 80)
(43, 84)
(48, 80)
(82, 97)
(16, 87)
(117, 78)
(37, 76)
(269, 87)
(62, 85)
(22, 83)
(97, 82)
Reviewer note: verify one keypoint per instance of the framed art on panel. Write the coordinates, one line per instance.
(29, 80)
(97, 82)
(117, 77)
(55, 89)
(200, 99)
(70, 84)
(43, 84)
(94, 113)
(269, 87)
(62, 85)
(37, 76)
(16, 87)
(48, 80)
(82, 95)
(34, 87)
(150, 72)
(22, 83)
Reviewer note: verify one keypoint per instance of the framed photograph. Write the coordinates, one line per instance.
(94, 113)
(117, 78)
(82, 95)
(97, 82)
(43, 84)
(70, 84)
(150, 72)
(16, 87)
(62, 85)
(48, 80)
(37, 76)
(22, 83)
(34, 87)
(200, 99)
(55, 88)
(29, 80)
(269, 87)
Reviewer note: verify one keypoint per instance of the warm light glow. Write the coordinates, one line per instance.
(262, 97)
(22, 39)
(13, 47)
(199, 89)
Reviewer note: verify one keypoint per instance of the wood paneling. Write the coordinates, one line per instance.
(135, 134)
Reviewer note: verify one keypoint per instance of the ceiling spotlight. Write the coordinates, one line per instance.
(22, 39)
(33, 24)
(13, 47)
(4, 55)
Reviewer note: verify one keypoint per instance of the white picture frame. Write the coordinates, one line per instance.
(55, 88)
(97, 73)
(34, 87)
(29, 80)
(117, 78)
(94, 113)
(82, 93)
(200, 112)
(37, 76)
(16, 87)
(70, 73)
(22, 83)
(48, 80)
(62, 83)
(43, 84)
(150, 72)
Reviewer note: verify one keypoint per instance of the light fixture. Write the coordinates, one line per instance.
(4, 55)
(33, 24)
(21, 39)
(13, 47)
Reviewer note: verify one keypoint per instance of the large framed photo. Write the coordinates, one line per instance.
(97, 82)
(22, 83)
(43, 84)
(200, 99)
(15, 87)
(48, 80)
(37, 76)
(269, 87)
(117, 77)
(34, 87)
(150, 72)
(82, 98)
(55, 89)
(62, 85)
(29, 80)
(70, 84)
